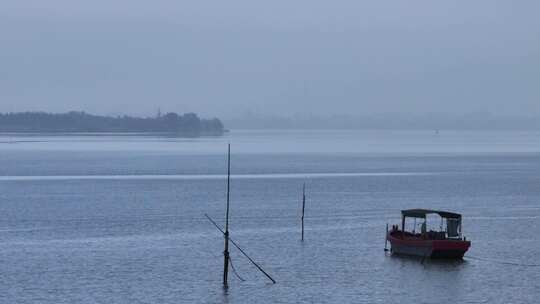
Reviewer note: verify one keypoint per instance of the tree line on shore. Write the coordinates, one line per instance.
(188, 124)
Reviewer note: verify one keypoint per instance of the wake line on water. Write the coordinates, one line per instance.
(203, 176)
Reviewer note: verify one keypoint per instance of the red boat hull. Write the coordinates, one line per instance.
(409, 244)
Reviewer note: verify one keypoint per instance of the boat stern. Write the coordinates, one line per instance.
(449, 249)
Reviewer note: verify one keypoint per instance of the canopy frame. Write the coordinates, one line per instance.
(421, 213)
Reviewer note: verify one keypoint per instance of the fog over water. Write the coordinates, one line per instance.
(231, 58)
(373, 107)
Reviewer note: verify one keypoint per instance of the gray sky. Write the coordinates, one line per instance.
(224, 57)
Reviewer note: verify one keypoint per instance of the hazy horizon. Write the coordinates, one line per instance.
(278, 58)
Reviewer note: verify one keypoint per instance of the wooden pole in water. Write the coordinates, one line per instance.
(386, 239)
(226, 251)
(303, 208)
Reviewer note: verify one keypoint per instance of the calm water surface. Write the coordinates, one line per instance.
(120, 219)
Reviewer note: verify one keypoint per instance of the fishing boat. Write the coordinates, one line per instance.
(446, 242)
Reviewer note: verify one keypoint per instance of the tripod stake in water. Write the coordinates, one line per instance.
(226, 255)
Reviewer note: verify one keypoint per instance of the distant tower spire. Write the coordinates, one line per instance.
(158, 112)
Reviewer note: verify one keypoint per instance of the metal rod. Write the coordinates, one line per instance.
(242, 251)
(403, 226)
(226, 233)
(386, 239)
(303, 208)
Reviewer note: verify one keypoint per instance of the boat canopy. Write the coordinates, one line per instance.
(421, 213)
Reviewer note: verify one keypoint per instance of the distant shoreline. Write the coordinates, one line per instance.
(113, 134)
(81, 123)
(59, 133)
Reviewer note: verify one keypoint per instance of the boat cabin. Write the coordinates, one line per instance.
(449, 228)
